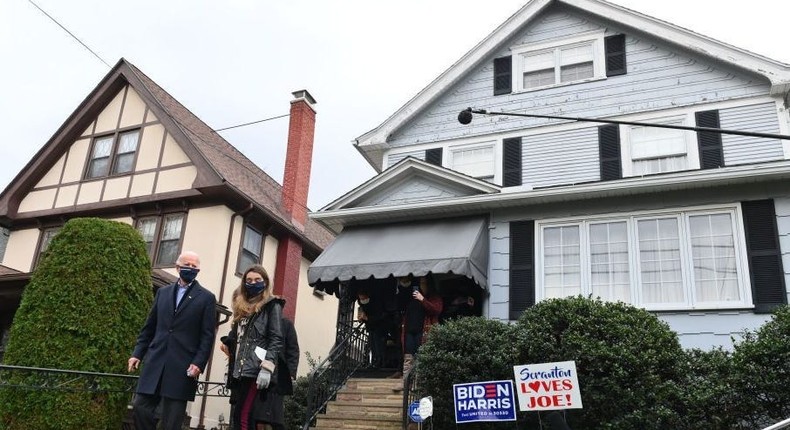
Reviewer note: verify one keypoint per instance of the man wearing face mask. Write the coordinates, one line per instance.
(175, 345)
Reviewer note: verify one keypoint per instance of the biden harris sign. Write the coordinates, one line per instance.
(484, 401)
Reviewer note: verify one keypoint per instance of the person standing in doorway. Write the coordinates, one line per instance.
(422, 311)
(174, 345)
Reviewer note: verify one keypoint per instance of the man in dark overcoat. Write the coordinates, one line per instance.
(174, 345)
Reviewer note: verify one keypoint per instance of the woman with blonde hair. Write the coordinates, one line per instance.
(252, 346)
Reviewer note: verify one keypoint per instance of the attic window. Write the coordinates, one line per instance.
(114, 153)
(558, 63)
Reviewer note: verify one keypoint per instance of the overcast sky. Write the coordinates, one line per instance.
(232, 62)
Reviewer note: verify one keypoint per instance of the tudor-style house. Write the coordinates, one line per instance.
(690, 225)
(132, 153)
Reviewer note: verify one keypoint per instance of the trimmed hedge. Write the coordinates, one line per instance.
(467, 349)
(628, 361)
(81, 311)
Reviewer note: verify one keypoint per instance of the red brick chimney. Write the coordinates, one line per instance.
(296, 179)
(296, 182)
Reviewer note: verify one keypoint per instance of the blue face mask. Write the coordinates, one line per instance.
(255, 288)
(188, 274)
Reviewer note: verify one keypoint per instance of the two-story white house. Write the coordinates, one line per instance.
(132, 153)
(693, 226)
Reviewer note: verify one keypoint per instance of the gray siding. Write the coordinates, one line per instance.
(761, 118)
(705, 329)
(566, 157)
(392, 159)
(498, 304)
(414, 190)
(658, 77)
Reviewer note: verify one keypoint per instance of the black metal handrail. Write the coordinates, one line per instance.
(37, 378)
(409, 392)
(350, 353)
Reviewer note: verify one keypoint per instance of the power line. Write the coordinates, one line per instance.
(70, 33)
(251, 123)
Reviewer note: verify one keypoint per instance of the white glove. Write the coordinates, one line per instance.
(264, 377)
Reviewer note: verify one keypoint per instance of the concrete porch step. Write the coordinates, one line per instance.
(364, 404)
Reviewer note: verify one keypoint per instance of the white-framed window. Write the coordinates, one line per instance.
(477, 160)
(562, 62)
(690, 259)
(648, 150)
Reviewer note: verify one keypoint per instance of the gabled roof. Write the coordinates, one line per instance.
(372, 143)
(218, 163)
(407, 169)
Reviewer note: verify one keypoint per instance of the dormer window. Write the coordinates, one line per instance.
(113, 154)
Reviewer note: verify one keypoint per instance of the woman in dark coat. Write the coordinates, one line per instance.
(253, 347)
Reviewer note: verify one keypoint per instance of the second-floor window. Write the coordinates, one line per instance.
(113, 154)
(476, 161)
(251, 249)
(660, 150)
(162, 236)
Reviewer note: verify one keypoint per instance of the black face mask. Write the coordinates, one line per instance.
(254, 288)
(188, 274)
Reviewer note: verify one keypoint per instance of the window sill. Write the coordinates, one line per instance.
(702, 309)
(101, 178)
(563, 84)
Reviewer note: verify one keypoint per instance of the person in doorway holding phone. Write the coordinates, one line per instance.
(421, 312)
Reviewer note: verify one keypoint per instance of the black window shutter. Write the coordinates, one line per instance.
(511, 162)
(502, 75)
(615, 54)
(522, 267)
(765, 256)
(434, 156)
(609, 152)
(710, 151)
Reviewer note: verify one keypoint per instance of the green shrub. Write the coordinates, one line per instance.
(472, 349)
(628, 361)
(81, 311)
(710, 391)
(762, 364)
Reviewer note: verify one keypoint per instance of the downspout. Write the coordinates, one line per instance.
(225, 264)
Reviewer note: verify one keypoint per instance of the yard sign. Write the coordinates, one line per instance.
(484, 401)
(547, 386)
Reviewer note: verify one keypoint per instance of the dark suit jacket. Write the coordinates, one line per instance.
(172, 339)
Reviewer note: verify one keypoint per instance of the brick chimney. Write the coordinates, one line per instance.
(296, 182)
(298, 159)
